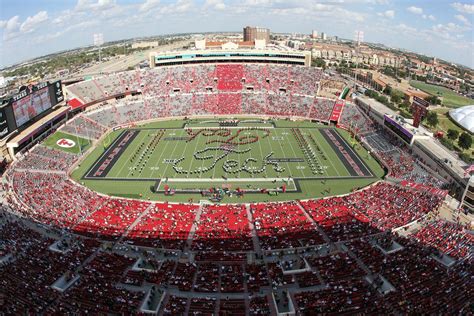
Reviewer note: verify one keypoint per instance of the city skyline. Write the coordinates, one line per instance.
(31, 29)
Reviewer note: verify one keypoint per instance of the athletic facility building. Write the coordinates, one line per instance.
(230, 56)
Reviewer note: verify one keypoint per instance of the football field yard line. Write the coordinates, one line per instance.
(126, 158)
(271, 150)
(238, 148)
(135, 148)
(292, 149)
(146, 146)
(159, 158)
(202, 162)
(172, 155)
(215, 166)
(261, 156)
(283, 153)
(183, 153)
(317, 156)
(328, 156)
(191, 159)
(251, 149)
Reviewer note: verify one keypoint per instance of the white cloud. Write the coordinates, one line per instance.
(257, 2)
(149, 4)
(181, 6)
(463, 19)
(50, 36)
(449, 32)
(450, 27)
(415, 10)
(214, 4)
(91, 5)
(11, 25)
(429, 17)
(307, 9)
(463, 7)
(402, 27)
(32, 22)
(388, 14)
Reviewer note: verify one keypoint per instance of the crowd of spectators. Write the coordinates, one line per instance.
(104, 281)
(204, 89)
(45, 158)
(390, 206)
(223, 228)
(353, 119)
(53, 199)
(112, 219)
(450, 238)
(376, 208)
(338, 218)
(283, 225)
(84, 127)
(401, 163)
(221, 236)
(164, 226)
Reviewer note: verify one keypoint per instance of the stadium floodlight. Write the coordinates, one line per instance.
(99, 41)
(359, 37)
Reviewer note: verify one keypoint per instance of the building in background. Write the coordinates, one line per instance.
(252, 33)
(324, 36)
(202, 44)
(314, 34)
(225, 55)
(147, 44)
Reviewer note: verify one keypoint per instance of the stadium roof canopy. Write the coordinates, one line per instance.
(464, 116)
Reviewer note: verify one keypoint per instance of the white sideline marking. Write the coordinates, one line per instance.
(228, 180)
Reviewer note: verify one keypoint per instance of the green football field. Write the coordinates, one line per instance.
(81, 144)
(309, 159)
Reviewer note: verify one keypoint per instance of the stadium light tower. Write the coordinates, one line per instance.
(358, 37)
(99, 41)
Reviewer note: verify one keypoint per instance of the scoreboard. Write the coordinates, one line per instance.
(29, 104)
(26, 106)
(402, 132)
(420, 108)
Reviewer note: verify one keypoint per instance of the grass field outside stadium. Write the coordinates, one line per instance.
(451, 99)
(311, 160)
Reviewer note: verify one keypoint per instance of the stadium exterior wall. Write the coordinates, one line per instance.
(222, 56)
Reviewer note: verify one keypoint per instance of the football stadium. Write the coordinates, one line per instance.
(224, 185)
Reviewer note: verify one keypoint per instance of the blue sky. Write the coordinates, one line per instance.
(31, 28)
